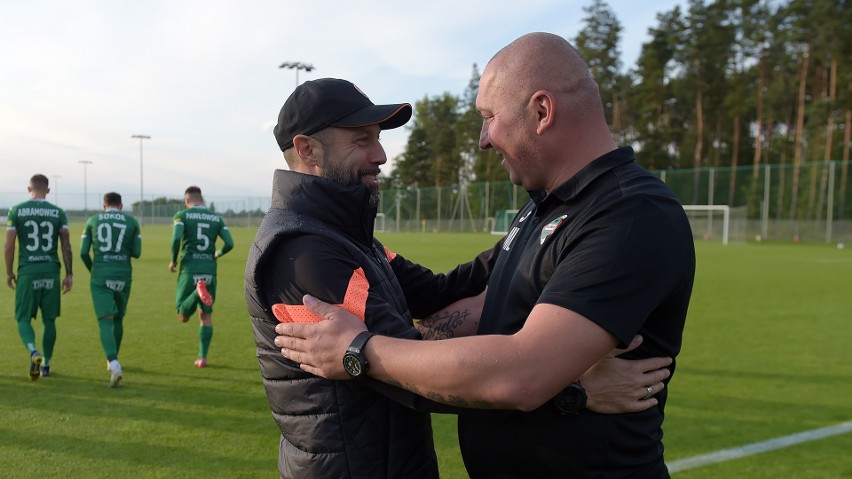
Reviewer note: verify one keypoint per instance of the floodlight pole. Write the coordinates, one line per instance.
(56, 187)
(141, 182)
(85, 164)
(297, 66)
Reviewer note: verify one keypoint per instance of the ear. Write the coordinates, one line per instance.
(544, 106)
(308, 149)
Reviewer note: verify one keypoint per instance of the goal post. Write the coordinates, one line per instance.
(379, 227)
(707, 219)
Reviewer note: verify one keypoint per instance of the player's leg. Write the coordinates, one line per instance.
(186, 299)
(51, 308)
(205, 336)
(120, 304)
(203, 294)
(118, 332)
(26, 306)
(121, 299)
(106, 328)
(103, 299)
(205, 330)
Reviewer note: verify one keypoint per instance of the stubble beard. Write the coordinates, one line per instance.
(346, 177)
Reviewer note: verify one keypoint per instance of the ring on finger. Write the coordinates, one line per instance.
(649, 392)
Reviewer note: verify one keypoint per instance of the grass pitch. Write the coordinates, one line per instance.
(765, 355)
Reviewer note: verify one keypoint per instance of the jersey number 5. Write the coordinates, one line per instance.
(202, 236)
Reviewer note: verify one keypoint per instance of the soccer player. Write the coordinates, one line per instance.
(39, 226)
(114, 237)
(194, 235)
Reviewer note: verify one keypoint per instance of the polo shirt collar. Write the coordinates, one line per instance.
(586, 176)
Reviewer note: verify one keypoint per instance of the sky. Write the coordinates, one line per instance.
(202, 79)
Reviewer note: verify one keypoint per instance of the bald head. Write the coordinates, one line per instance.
(544, 61)
(542, 111)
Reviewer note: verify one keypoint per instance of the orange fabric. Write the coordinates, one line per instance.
(390, 254)
(354, 301)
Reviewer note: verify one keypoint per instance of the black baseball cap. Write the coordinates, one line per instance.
(319, 104)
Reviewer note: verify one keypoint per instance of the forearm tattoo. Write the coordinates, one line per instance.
(452, 400)
(444, 324)
(67, 256)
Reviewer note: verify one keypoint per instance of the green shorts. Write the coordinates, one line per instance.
(186, 286)
(36, 291)
(110, 296)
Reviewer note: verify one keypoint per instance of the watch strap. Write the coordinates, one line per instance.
(357, 344)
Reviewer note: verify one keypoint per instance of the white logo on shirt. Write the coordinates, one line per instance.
(507, 243)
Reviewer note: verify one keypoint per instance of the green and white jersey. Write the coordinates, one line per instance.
(114, 238)
(37, 223)
(194, 235)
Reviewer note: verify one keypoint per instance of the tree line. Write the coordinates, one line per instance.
(725, 83)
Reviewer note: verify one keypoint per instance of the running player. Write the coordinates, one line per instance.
(114, 237)
(194, 236)
(38, 225)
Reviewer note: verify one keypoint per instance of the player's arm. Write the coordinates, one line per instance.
(85, 246)
(9, 256)
(227, 240)
(67, 258)
(177, 235)
(136, 250)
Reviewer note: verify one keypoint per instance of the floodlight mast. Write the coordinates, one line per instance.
(297, 66)
(141, 192)
(85, 164)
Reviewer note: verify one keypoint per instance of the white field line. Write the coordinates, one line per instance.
(758, 447)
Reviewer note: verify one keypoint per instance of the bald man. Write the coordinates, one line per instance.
(601, 252)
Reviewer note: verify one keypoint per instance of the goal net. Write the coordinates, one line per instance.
(709, 221)
(502, 221)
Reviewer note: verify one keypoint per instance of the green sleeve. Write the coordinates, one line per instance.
(85, 245)
(177, 235)
(137, 243)
(228, 240)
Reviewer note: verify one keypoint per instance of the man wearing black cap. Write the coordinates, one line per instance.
(317, 239)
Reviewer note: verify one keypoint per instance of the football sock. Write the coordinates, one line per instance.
(205, 334)
(118, 330)
(48, 339)
(27, 334)
(106, 327)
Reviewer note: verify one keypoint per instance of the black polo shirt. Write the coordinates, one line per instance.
(614, 245)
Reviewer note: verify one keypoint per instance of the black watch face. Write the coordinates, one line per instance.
(570, 400)
(352, 365)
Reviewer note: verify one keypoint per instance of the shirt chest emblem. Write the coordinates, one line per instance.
(550, 228)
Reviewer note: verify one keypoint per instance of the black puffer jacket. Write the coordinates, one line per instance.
(315, 234)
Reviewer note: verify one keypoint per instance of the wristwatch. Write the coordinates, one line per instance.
(354, 361)
(570, 400)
